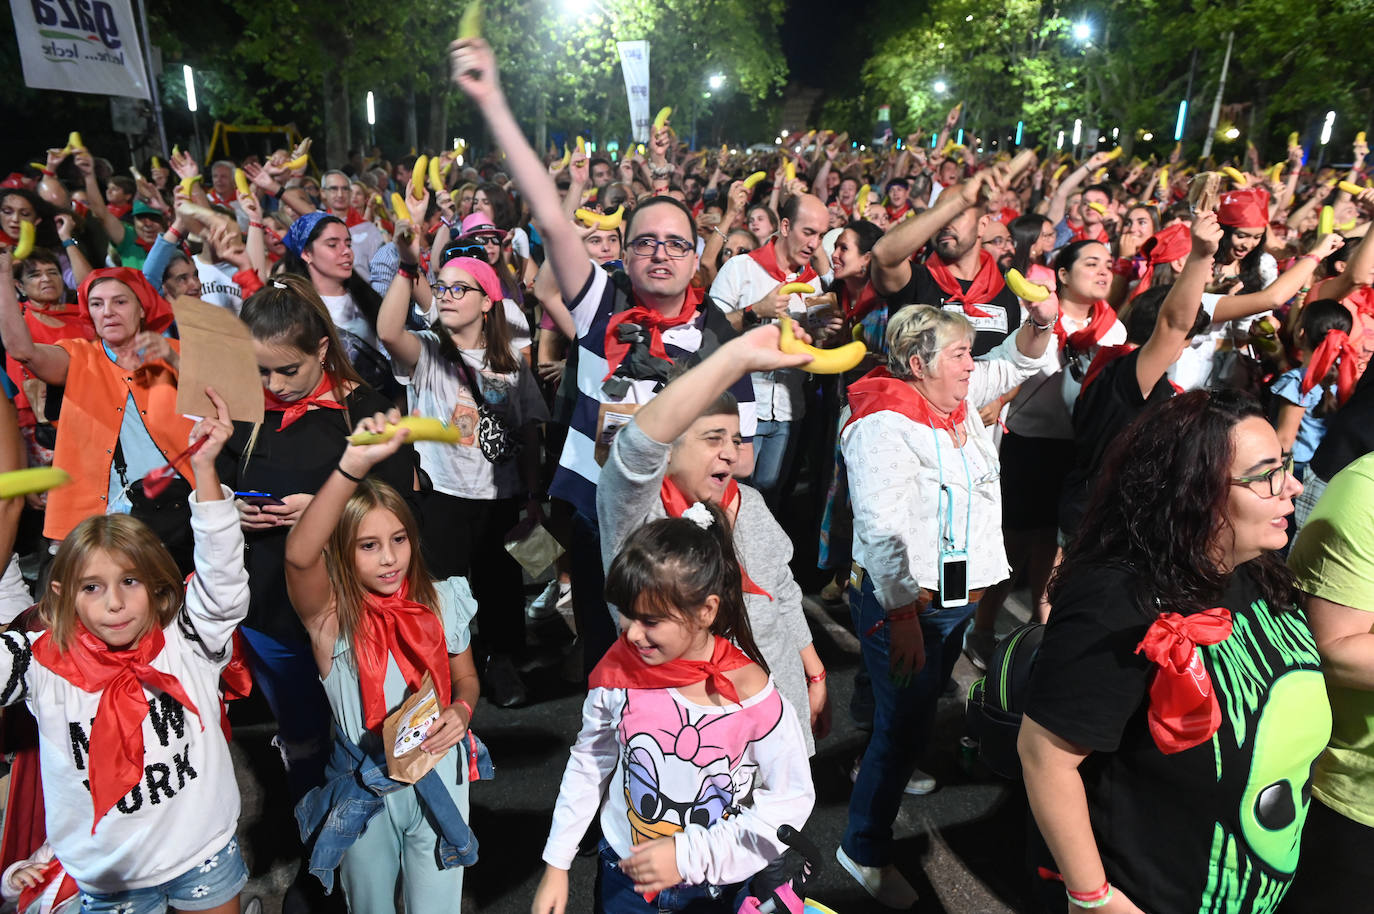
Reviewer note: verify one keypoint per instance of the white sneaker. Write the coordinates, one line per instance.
(918, 785)
(564, 595)
(546, 604)
(887, 886)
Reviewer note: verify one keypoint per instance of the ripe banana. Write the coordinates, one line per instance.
(241, 182)
(1059, 172)
(823, 361)
(606, 223)
(398, 204)
(188, 183)
(789, 170)
(157, 163)
(24, 246)
(1360, 139)
(661, 119)
(797, 288)
(470, 26)
(302, 155)
(417, 175)
(1353, 190)
(176, 150)
(422, 428)
(1024, 289)
(1235, 175)
(35, 479)
(297, 162)
(74, 142)
(1098, 175)
(1164, 179)
(1098, 208)
(581, 146)
(567, 157)
(1277, 174)
(1115, 154)
(436, 181)
(751, 181)
(1292, 139)
(41, 166)
(1327, 224)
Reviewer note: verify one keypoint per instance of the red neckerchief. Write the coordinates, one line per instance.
(1106, 355)
(352, 218)
(767, 257)
(214, 197)
(116, 756)
(51, 870)
(1334, 349)
(878, 391)
(857, 310)
(898, 213)
(6, 240)
(675, 503)
(1100, 321)
(1080, 233)
(119, 210)
(294, 409)
(622, 667)
(1184, 711)
(411, 633)
(986, 284)
(651, 320)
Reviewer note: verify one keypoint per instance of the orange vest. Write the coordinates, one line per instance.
(92, 412)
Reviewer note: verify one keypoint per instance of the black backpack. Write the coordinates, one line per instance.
(995, 702)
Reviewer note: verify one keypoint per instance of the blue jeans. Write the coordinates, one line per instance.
(903, 718)
(615, 892)
(207, 884)
(775, 446)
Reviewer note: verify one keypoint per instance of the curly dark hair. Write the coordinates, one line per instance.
(1249, 274)
(1160, 503)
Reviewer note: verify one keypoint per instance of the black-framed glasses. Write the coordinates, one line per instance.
(1276, 478)
(676, 248)
(474, 249)
(455, 291)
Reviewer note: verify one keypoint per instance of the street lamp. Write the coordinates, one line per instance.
(717, 81)
(940, 86)
(371, 119)
(191, 105)
(1147, 136)
(1326, 127)
(1077, 130)
(1232, 133)
(1060, 143)
(1082, 31)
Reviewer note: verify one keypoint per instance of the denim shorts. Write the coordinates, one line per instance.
(205, 885)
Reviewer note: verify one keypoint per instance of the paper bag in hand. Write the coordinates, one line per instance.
(405, 730)
(216, 351)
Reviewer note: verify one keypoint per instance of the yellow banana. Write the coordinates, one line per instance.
(606, 223)
(157, 163)
(176, 150)
(789, 170)
(422, 428)
(1360, 139)
(567, 157)
(797, 288)
(24, 246)
(1164, 179)
(398, 204)
(1024, 289)
(1097, 175)
(861, 202)
(640, 149)
(1115, 154)
(41, 166)
(241, 182)
(1293, 139)
(470, 26)
(661, 119)
(857, 333)
(298, 162)
(188, 183)
(1277, 173)
(751, 181)
(1353, 190)
(1059, 172)
(74, 142)
(1327, 224)
(1346, 226)
(436, 182)
(417, 174)
(1235, 175)
(1098, 208)
(823, 361)
(581, 146)
(28, 482)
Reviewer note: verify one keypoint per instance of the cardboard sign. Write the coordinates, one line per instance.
(216, 351)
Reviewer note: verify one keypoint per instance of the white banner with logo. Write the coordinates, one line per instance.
(80, 46)
(634, 62)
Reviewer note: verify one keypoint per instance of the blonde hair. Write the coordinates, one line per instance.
(922, 331)
(123, 538)
(349, 593)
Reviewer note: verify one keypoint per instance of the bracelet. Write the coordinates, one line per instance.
(48, 172)
(257, 225)
(819, 677)
(467, 707)
(1042, 327)
(900, 615)
(1312, 257)
(281, 189)
(408, 270)
(347, 475)
(1095, 902)
(68, 242)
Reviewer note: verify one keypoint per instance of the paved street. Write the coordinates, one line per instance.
(961, 846)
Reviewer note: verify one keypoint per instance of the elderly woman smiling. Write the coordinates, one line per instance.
(923, 478)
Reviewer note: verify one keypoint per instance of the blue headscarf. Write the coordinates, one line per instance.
(298, 235)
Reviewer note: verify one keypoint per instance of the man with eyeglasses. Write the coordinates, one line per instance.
(337, 198)
(634, 330)
(997, 242)
(747, 290)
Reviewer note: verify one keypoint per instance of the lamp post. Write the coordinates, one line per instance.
(189, 75)
(371, 120)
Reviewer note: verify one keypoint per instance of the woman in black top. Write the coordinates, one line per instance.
(314, 399)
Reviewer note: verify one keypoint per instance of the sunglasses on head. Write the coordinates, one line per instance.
(474, 249)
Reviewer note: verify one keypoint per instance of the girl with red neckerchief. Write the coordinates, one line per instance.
(141, 817)
(378, 625)
(684, 734)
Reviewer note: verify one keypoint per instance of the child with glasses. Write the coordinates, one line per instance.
(466, 370)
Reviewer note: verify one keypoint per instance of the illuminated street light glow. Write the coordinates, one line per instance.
(190, 87)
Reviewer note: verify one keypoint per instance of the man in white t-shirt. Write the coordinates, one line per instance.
(746, 289)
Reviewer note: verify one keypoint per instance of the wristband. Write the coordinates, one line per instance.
(281, 189)
(467, 707)
(1096, 902)
(68, 242)
(1312, 257)
(347, 475)
(48, 172)
(173, 230)
(819, 677)
(408, 270)
(1042, 327)
(748, 318)
(900, 615)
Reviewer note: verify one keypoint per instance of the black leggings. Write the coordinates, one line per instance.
(464, 536)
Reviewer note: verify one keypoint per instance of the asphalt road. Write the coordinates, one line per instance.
(961, 847)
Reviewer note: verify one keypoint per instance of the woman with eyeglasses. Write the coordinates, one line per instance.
(927, 540)
(1177, 702)
(465, 370)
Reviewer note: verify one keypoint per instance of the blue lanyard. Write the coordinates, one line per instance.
(945, 501)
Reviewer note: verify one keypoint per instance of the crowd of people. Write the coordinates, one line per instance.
(1134, 387)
